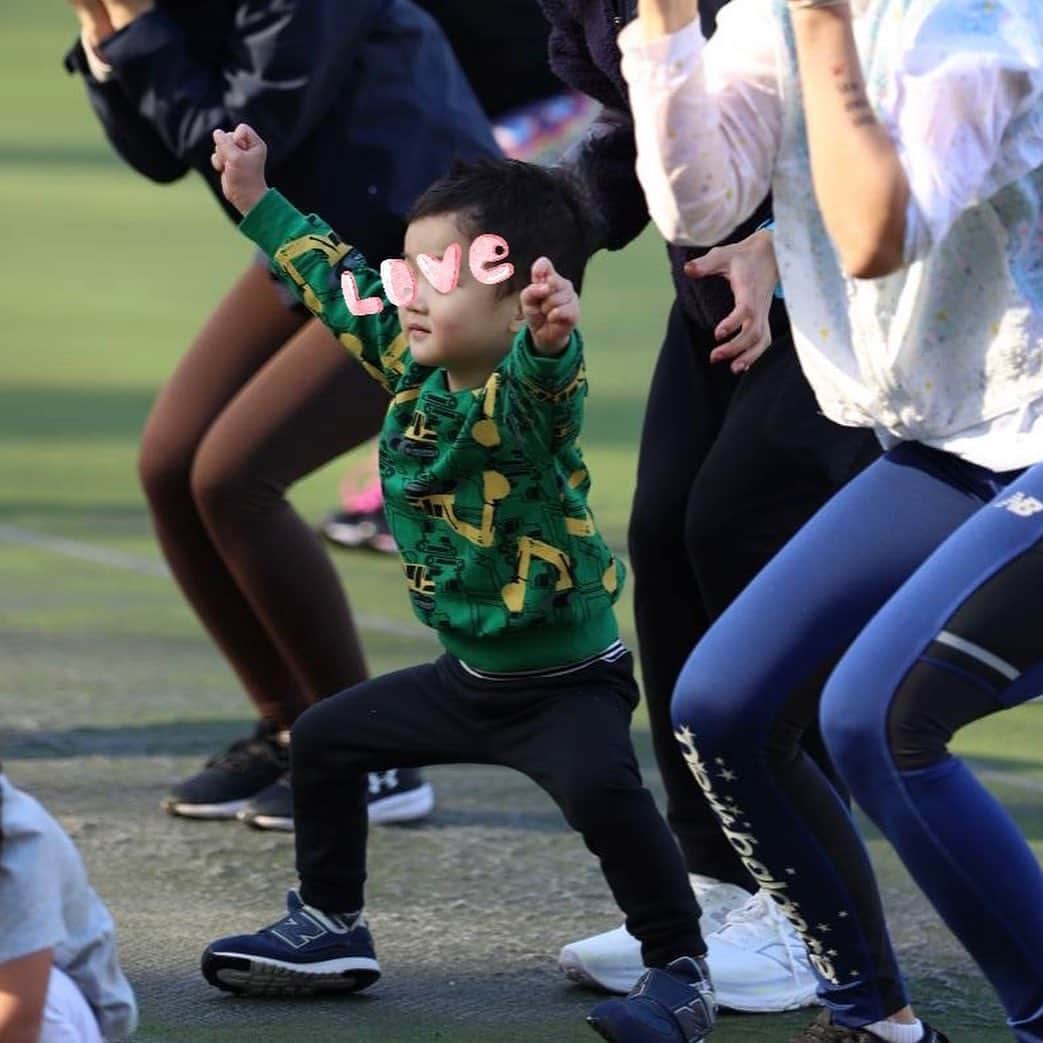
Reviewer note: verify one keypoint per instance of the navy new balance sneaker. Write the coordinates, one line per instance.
(672, 1005)
(307, 951)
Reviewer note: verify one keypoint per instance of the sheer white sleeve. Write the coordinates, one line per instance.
(707, 120)
(967, 116)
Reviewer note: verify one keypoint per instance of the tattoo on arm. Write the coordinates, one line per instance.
(855, 101)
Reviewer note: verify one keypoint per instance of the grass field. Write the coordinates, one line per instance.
(109, 690)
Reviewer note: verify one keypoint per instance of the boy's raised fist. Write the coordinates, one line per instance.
(550, 306)
(239, 158)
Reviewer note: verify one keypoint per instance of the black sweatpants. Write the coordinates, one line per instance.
(730, 468)
(569, 733)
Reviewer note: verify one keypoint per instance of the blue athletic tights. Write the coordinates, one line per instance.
(935, 596)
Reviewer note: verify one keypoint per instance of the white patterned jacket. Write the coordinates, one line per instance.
(947, 351)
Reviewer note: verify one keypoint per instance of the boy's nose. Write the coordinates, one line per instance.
(418, 304)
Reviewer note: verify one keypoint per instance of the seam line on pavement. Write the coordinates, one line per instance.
(116, 559)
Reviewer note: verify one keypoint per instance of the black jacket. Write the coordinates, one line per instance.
(585, 54)
(502, 46)
(362, 102)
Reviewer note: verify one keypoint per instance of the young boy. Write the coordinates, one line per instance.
(486, 497)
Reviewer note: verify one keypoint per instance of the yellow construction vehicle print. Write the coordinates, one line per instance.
(495, 487)
(417, 579)
(332, 247)
(528, 548)
(418, 431)
(485, 432)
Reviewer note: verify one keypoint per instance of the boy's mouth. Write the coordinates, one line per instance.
(417, 331)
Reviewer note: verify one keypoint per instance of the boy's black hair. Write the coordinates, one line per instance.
(540, 211)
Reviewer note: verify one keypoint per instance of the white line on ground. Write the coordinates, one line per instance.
(149, 567)
(84, 551)
(116, 559)
(1007, 779)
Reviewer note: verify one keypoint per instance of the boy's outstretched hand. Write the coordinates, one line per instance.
(551, 308)
(239, 159)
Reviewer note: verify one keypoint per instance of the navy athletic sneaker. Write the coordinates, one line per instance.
(307, 951)
(672, 1005)
(822, 1030)
(399, 795)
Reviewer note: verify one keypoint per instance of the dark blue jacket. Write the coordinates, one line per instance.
(361, 102)
(584, 53)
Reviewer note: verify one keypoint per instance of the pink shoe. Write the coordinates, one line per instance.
(360, 521)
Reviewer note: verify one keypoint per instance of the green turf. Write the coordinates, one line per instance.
(110, 690)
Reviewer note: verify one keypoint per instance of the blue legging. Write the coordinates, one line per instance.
(738, 722)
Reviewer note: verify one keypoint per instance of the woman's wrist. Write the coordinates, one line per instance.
(663, 17)
(95, 33)
(123, 12)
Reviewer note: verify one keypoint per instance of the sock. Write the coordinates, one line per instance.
(892, 1032)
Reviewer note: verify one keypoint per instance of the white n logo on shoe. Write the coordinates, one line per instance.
(297, 929)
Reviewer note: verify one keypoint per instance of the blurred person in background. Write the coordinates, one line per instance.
(502, 48)
(363, 105)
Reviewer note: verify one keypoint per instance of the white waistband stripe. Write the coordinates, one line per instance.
(615, 651)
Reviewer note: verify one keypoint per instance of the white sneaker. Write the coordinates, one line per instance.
(612, 960)
(758, 962)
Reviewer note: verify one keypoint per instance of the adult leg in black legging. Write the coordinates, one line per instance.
(730, 468)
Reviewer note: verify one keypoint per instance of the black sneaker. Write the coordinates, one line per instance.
(399, 795)
(359, 529)
(672, 1005)
(306, 952)
(822, 1030)
(231, 778)
(272, 808)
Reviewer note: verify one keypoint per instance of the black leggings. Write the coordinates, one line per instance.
(570, 734)
(730, 467)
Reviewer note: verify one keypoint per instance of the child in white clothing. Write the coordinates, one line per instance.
(60, 979)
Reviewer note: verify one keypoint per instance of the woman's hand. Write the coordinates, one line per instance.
(94, 20)
(123, 12)
(239, 158)
(751, 271)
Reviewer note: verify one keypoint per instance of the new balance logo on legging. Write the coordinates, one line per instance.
(1021, 505)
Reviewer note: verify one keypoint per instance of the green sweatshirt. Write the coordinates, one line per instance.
(485, 489)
